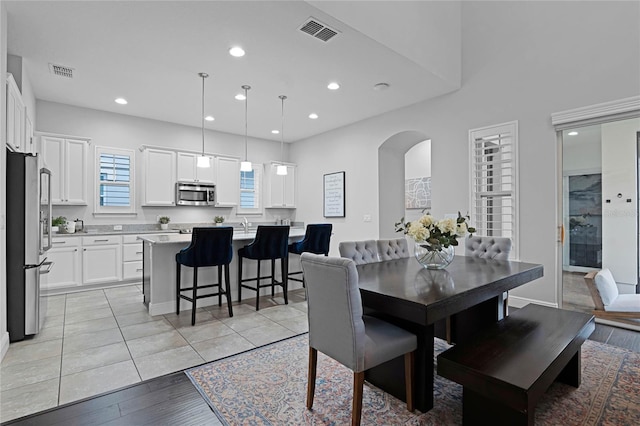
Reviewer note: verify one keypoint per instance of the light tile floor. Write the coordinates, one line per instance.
(100, 340)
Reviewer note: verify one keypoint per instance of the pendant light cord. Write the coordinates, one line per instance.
(246, 107)
(203, 75)
(282, 98)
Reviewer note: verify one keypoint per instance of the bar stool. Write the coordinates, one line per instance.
(209, 247)
(270, 243)
(316, 240)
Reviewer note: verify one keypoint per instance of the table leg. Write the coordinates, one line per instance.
(571, 374)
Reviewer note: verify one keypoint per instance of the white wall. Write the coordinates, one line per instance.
(123, 131)
(521, 61)
(619, 217)
(417, 161)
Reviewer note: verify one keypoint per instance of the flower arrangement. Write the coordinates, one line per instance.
(435, 234)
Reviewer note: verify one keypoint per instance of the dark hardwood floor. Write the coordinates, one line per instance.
(173, 400)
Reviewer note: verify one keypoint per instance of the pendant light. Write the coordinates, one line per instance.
(203, 161)
(245, 166)
(282, 169)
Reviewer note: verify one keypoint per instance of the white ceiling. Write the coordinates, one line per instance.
(151, 53)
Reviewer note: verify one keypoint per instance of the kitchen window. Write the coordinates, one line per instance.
(115, 180)
(494, 182)
(250, 184)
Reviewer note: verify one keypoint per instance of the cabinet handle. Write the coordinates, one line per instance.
(139, 269)
(98, 241)
(59, 242)
(76, 250)
(138, 252)
(84, 249)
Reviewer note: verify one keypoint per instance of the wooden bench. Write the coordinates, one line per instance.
(505, 369)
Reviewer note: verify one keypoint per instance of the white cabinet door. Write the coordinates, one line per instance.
(15, 116)
(101, 263)
(29, 141)
(228, 181)
(281, 189)
(188, 171)
(159, 177)
(53, 153)
(67, 160)
(75, 172)
(66, 268)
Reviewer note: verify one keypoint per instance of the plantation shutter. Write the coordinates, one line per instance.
(494, 182)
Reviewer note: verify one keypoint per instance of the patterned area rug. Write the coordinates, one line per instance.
(267, 386)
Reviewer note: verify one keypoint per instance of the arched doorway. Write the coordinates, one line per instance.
(391, 179)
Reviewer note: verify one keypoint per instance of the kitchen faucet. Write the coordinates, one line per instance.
(245, 224)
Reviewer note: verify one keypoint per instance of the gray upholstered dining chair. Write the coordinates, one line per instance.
(360, 252)
(338, 328)
(497, 248)
(393, 249)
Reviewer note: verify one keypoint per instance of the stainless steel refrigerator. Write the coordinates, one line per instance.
(28, 239)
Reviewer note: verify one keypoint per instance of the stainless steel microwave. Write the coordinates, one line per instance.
(195, 194)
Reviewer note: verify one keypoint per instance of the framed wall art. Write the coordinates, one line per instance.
(334, 194)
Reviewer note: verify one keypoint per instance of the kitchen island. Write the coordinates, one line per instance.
(159, 269)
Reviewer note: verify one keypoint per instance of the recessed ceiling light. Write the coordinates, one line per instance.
(573, 133)
(381, 86)
(313, 116)
(121, 101)
(236, 51)
(209, 118)
(333, 86)
(275, 132)
(240, 97)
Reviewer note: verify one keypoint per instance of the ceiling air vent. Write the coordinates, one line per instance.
(61, 70)
(317, 29)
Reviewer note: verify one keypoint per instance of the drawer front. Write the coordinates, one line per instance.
(128, 239)
(132, 252)
(101, 240)
(132, 270)
(60, 242)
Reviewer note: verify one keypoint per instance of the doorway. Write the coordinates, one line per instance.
(600, 190)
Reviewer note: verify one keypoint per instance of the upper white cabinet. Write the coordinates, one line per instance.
(15, 117)
(189, 171)
(159, 177)
(66, 157)
(280, 189)
(227, 181)
(29, 141)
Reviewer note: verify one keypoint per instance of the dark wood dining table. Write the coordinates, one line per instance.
(467, 296)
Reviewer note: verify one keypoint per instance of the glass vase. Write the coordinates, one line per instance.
(432, 257)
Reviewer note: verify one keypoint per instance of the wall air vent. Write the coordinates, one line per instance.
(317, 29)
(61, 70)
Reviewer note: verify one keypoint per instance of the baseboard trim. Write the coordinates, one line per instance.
(4, 344)
(521, 302)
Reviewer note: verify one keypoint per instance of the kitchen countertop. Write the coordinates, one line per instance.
(186, 238)
(89, 234)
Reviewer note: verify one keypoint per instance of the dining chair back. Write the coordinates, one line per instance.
(338, 328)
(393, 249)
(360, 252)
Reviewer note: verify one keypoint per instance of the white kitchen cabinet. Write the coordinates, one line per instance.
(29, 141)
(66, 157)
(67, 267)
(188, 170)
(159, 177)
(280, 189)
(101, 259)
(131, 258)
(15, 117)
(227, 181)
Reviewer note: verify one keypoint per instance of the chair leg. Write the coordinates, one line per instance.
(228, 289)
(219, 285)
(195, 295)
(311, 380)
(273, 277)
(258, 288)
(239, 278)
(409, 359)
(177, 288)
(284, 264)
(505, 308)
(358, 385)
